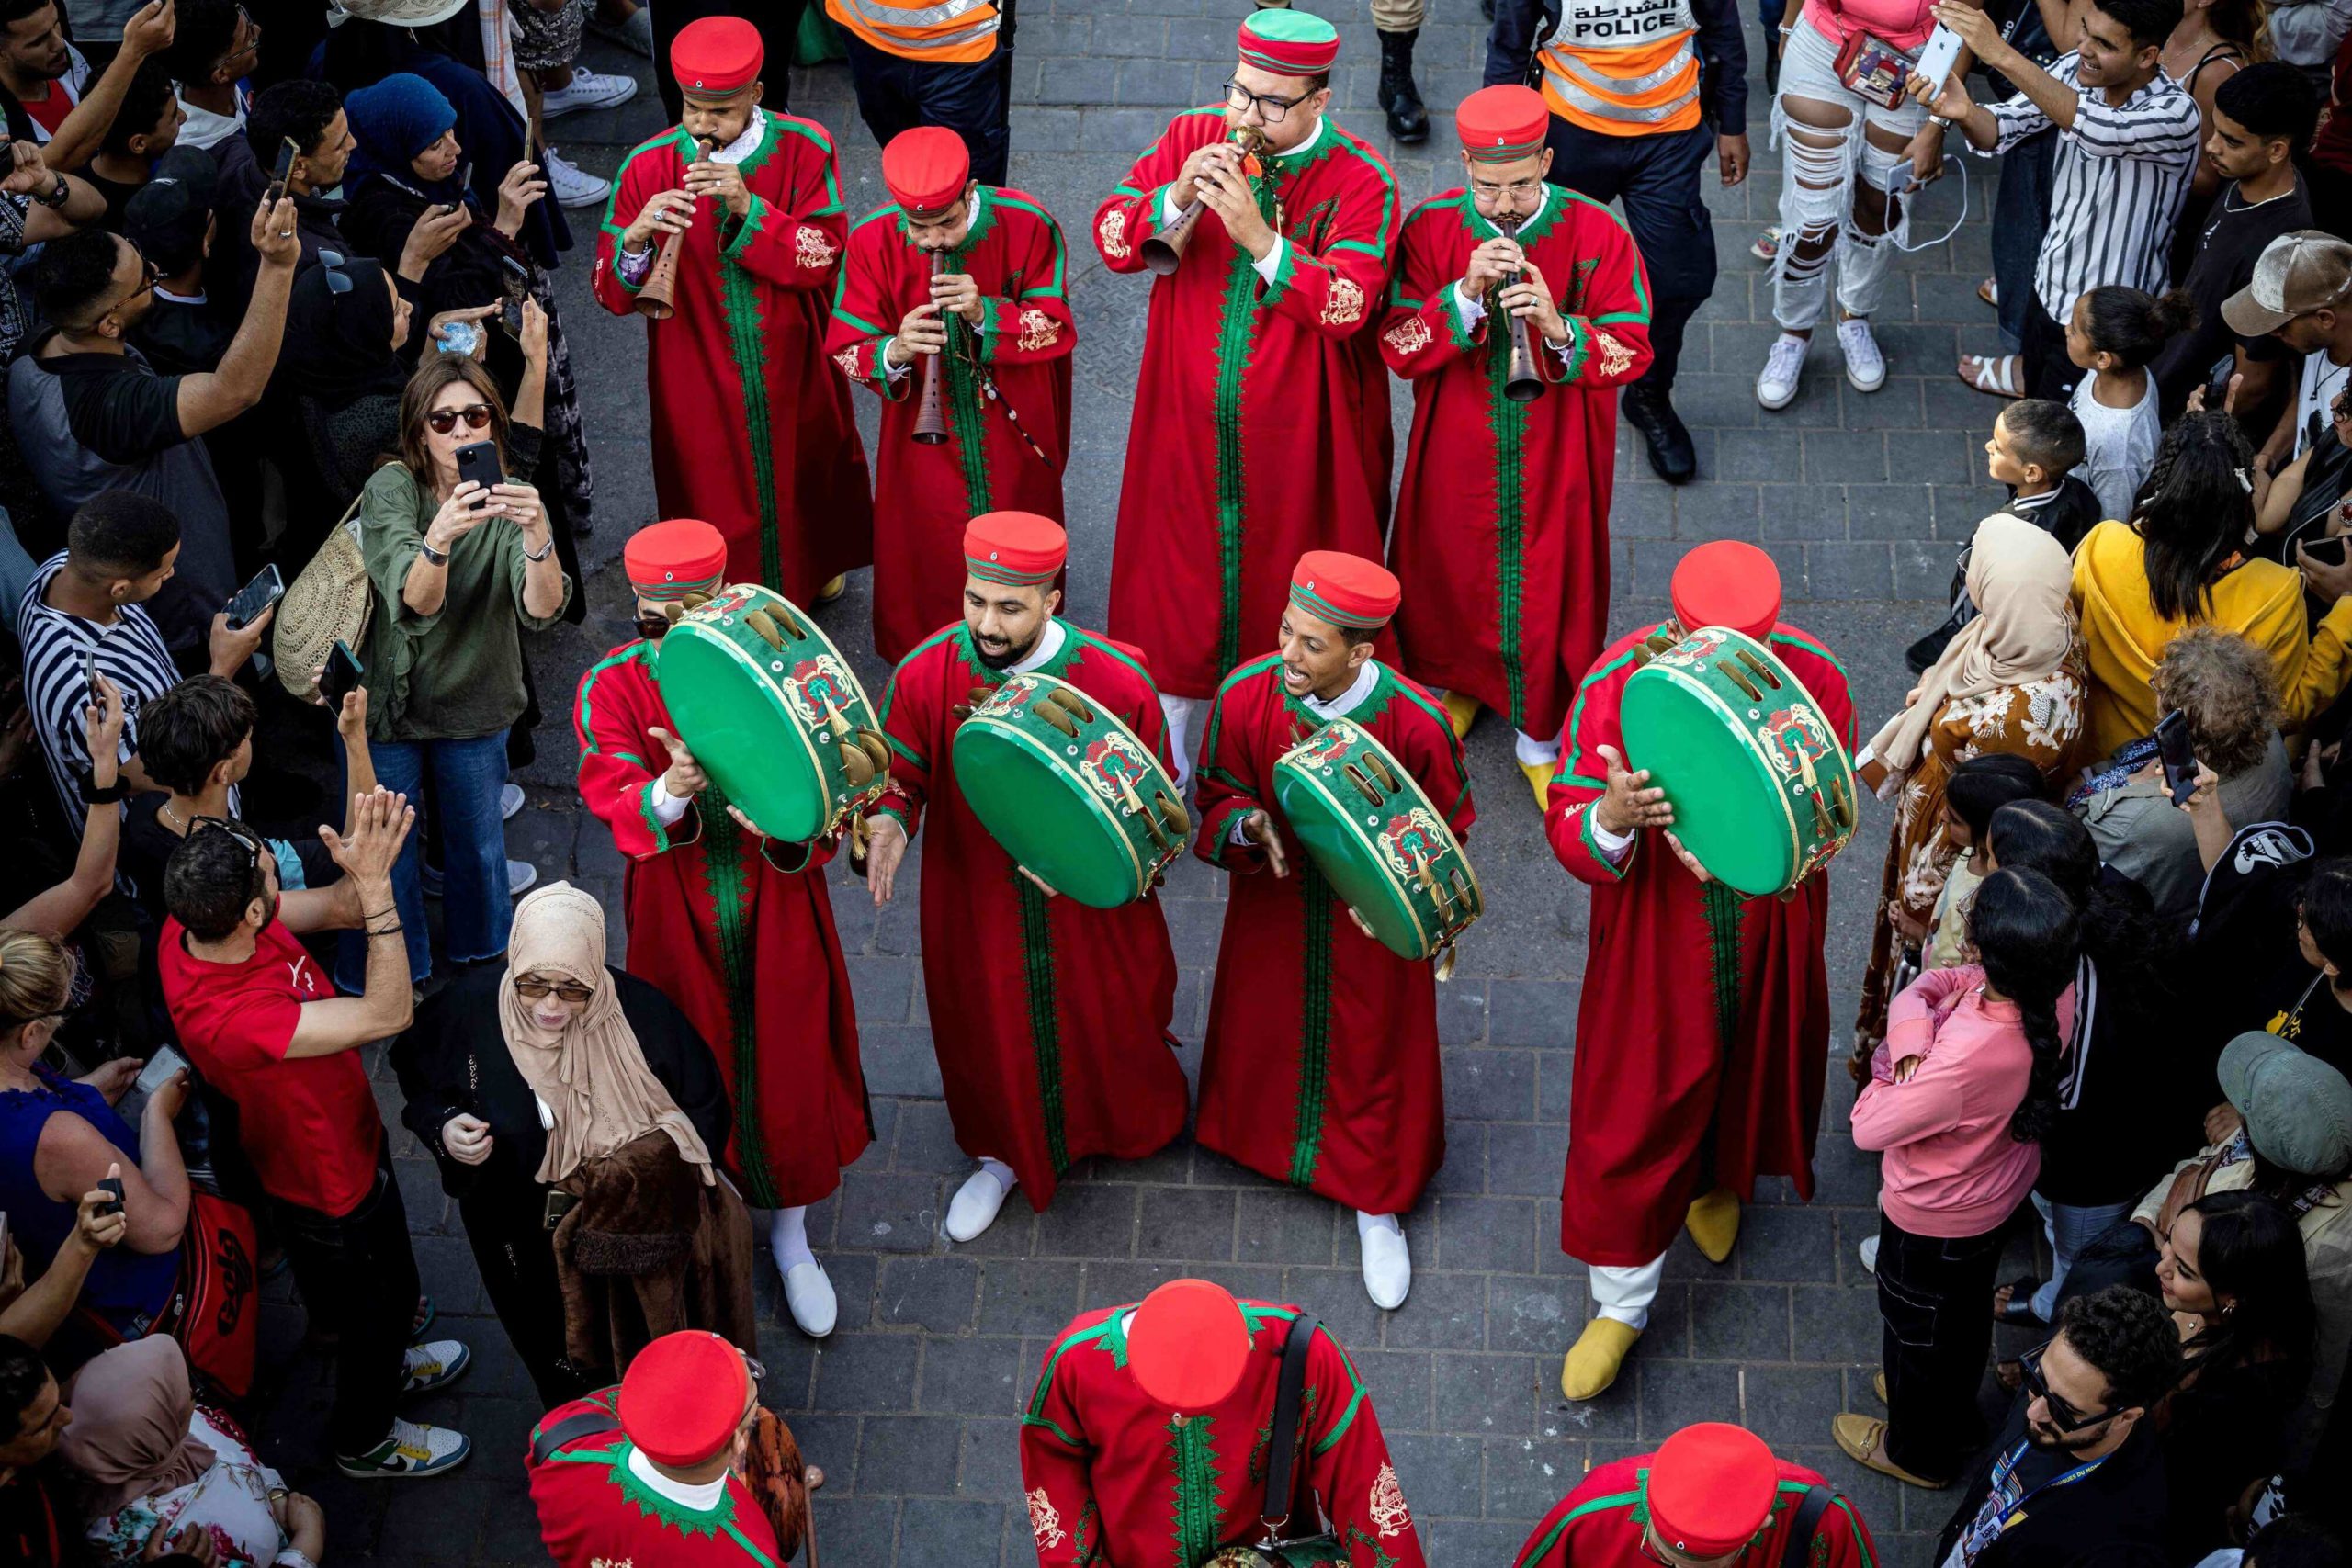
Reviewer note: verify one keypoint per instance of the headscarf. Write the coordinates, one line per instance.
(393, 120)
(592, 1074)
(132, 1430)
(2020, 581)
(345, 339)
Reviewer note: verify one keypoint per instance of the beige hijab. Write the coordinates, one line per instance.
(592, 1074)
(2020, 581)
(133, 1430)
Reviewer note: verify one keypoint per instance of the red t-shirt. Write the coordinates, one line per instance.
(309, 1123)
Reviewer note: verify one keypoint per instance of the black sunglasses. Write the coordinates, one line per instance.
(338, 280)
(443, 421)
(243, 834)
(2063, 1415)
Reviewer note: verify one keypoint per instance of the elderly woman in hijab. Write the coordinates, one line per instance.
(2011, 681)
(515, 1080)
(152, 1459)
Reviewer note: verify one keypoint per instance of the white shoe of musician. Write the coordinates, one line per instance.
(1387, 1265)
(973, 1209)
(808, 1293)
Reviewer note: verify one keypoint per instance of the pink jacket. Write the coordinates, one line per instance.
(1951, 1168)
(1905, 24)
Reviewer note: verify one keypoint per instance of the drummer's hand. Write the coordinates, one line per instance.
(886, 846)
(1362, 924)
(686, 778)
(1628, 803)
(742, 821)
(1048, 887)
(1689, 862)
(1259, 827)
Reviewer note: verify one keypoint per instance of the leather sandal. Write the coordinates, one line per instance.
(2019, 1312)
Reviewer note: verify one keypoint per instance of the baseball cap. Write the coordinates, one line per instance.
(2298, 1109)
(165, 218)
(2298, 272)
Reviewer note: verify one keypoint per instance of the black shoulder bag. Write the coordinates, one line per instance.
(1274, 1552)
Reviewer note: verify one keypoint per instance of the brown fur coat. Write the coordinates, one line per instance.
(649, 1250)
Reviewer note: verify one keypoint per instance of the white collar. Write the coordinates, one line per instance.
(746, 144)
(1301, 144)
(701, 1499)
(1050, 644)
(1544, 205)
(1346, 701)
(195, 298)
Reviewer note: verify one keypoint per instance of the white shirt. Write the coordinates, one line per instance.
(206, 129)
(2119, 444)
(1473, 307)
(700, 1499)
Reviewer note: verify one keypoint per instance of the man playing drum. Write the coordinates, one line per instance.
(733, 927)
(1050, 1019)
(951, 307)
(1675, 1110)
(1321, 1069)
(1510, 290)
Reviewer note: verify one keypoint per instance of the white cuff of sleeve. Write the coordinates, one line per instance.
(1168, 210)
(1612, 845)
(890, 372)
(1270, 266)
(667, 807)
(1472, 308)
(1238, 833)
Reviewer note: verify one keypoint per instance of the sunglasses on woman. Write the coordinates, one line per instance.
(538, 990)
(443, 421)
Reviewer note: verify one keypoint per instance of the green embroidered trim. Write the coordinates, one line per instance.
(1572, 764)
(1045, 1013)
(1507, 423)
(635, 653)
(1263, 1451)
(730, 891)
(1086, 1542)
(746, 338)
(735, 1532)
(1055, 285)
(1380, 1557)
(1535, 1550)
(1092, 1334)
(652, 1504)
(965, 410)
(674, 137)
(1641, 284)
(1724, 907)
(1314, 1023)
(1592, 845)
(1237, 326)
(1192, 1450)
(1580, 350)
(653, 823)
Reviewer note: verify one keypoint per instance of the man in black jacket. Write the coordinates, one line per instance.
(2075, 1477)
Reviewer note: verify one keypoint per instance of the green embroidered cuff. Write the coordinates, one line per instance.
(738, 234)
(1592, 846)
(1579, 349)
(1458, 326)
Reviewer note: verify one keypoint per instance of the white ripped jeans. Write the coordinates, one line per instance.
(1817, 186)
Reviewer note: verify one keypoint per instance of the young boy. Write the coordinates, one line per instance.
(2036, 444)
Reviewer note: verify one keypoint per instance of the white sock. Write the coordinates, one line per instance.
(1367, 1224)
(1002, 1172)
(1178, 712)
(788, 1238)
(1534, 753)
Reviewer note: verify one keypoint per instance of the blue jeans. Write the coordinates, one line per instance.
(2020, 214)
(2070, 1229)
(476, 909)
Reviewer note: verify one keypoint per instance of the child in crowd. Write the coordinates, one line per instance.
(1979, 787)
(2114, 332)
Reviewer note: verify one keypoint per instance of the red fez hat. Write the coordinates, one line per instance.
(1710, 1488)
(682, 1397)
(1289, 43)
(1727, 584)
(672, 559)
(1019, 549)
(926, 169)
(717, 55)
(1499, 123)
(1187, 1344)
(1345, 590)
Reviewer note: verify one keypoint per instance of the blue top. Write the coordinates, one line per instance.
(129, 1289)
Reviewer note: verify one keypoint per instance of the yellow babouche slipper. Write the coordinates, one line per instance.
(833, 588)
(1461, 712)
(1540, 776)
(1713, 1224)
(1596, 1357)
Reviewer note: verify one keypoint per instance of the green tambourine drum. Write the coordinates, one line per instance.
(1377, 840)
(771, 711)
(1069, 791)
(1762, 789)
(1316, 1551)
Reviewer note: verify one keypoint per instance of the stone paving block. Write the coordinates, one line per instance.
(917, 1453)
(1711, 512)
(1932, 456)
(1092, 79)
(1088, 1221)
(1124, 133)
(985, 1375)
(1396, 1381)
(1532, 1012)
(1337, 1295)
(925, 1140)
(889, 1211)
(1525, 1477)
(1845, 456)
(1474, 1541)
(829, 1442)
(991, 1464)
(1484, 1235)
(883, 986)
(1187, 1223)
(868, 1373)
(1164, 83)
(1899, 510)
(1523, 1159)
(859, 1529)
(1676, 1393)
(1489, 1396)
(1719, 400)
(934, 1293)
(1838, 569)
(1802, 511)
(1464, 1167)
(1491, 1085)
(1787, 1243)
(1641, 511)
(899, 1060)
(1837, 1322)
(1540, 1315)
(1740, 1323)
(1462, 1012)
(1283, 1227)
(1442, 1478)
(1555, 1071)
(1769, 454)
(1895, 406)
(1028, 1298)
(1922, 566)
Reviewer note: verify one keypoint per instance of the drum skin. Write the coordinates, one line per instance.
(1377, 840)
(1069, 791)
(1762, 791)
(773, 724)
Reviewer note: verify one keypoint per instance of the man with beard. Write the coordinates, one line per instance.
(960, 280)
(1322, 1062)
(734, 927)
(2077, 1448)
(1050, 1019)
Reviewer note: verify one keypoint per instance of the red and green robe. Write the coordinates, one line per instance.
(595, 1512)
(1703, 1033)
(752, 430)
(1116, 1481)
(1600, 1524)
(1050, 1019)
(738, 930)
(924, 495)
(1321, 1067)
(1260, 426)
(1502, 521)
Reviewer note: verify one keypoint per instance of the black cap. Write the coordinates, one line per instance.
(165, 218)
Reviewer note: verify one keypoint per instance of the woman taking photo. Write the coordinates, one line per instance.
(458, 570)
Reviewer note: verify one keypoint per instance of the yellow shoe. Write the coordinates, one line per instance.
(1594, 1360)
(1878, 1386)
(1864, 1439)
(1540, 776)
(833, 590)
(1461, 712)
(1713, 1224)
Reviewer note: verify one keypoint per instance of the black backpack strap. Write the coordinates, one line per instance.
(1797, 1551)
(570, 1430)
(1290, 1393)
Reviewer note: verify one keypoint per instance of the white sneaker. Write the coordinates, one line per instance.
(1869, 1250)
(1865, 365)
(1775, 384)
(588, 90)
(973, 1209)
(574, 187)
(810, 1294)
(435, 1364)
(521, 877)
(510, 801)
(412, 1449)
(1387, 1267)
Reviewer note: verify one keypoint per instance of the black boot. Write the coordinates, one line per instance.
(1408, 121)
(1647, 410)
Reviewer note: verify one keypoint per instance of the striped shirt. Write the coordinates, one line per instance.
(131, 653)
(2121, 176)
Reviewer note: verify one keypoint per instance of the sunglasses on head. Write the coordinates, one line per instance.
(241, 833)
(443, 421)
(338, 280)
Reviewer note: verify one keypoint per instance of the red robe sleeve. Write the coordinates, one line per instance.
(1329, 291)
(1435, 758)
(1054, 1472)
(640, 177)
(797, 242)
(615, 778)
(1609, 332)
(1349, 1466)
(1583, 778)
(1423, 293)
(865, 318)
(1130, 214)
(909, 719)
(1229, 787)
(1034, 324)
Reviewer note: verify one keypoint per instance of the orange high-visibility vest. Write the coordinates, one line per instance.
(1623, 67)
(947, 32)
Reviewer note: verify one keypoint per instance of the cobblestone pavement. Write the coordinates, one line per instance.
(911, 1407)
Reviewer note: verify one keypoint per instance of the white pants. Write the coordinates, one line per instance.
(1626, 1293)
(1180, 712)
(1817, 186)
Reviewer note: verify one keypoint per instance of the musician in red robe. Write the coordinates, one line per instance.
(733, 927)
(1260, 424)
(1149, 1437)
(752, 427)
(1676, 1107)
(1050, 1019)
(995, 324)
(646, 1472)
(1321, 1069)
(1712, 1493)
(1502, 521)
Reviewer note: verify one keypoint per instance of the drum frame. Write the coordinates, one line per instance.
(1321, 781)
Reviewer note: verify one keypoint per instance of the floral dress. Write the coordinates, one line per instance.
(229, 1502)
(2037, 719)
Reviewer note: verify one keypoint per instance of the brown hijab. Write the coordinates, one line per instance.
(132, 1432)
(591, 1073)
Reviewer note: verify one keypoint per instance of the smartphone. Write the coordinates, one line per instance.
(287, 153)
(2328, 551)
(265, 589)
(1940, 55)
(161, 1068)
(2172, 751)
(111, 1184)
(509, 319)
(477, 461)
(446, 208)
(517, 279)
(341, 676)
(90, 679)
